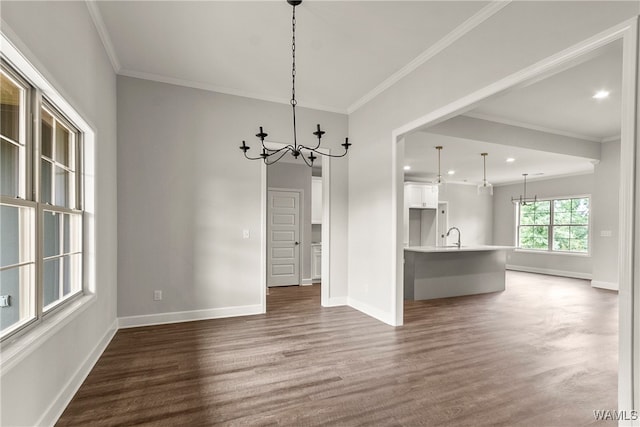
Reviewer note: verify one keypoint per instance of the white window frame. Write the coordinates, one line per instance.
(550, 226)
(36, 96)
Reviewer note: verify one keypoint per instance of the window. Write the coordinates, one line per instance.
(41, 217)
(560, 225)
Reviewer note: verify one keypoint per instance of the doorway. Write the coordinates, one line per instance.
(323, 172)
(627, 32)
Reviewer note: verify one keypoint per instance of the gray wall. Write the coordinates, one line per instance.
(470, 212)
(60, 40)
(186, 193)
(605, 211)
(504, 224)
(516, 37)
(297, 177)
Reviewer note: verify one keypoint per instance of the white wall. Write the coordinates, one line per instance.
(60, 39)
(505, 225)
(519, 35)
(605, 211)
(186, 192)
(298, 177)
(470, 212)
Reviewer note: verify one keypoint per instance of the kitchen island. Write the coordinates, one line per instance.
(448, 271)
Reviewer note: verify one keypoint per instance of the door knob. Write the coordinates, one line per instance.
(297, 243)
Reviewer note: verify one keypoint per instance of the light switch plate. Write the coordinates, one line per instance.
(606, 233)
(246, 234)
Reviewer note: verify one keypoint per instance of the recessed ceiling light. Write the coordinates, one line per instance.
(601, 94)
(451, 172)
(407, 168)
(510, 160)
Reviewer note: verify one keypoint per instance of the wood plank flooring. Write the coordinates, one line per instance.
(542, 353)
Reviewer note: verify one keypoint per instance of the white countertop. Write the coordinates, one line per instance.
(473, 248)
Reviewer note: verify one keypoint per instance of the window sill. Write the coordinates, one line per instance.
(532, 251)
(14, 350)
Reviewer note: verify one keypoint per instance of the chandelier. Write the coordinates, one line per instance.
(523, 200)
(439, 180)
(270, 156)
(485, 188)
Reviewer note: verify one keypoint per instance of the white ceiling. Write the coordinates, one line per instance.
(560, 104)
(463, 156)
(344, 48)
(564, 103)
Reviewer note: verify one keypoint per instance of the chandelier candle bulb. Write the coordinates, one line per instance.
(296, 150)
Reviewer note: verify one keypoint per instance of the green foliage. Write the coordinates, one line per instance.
(569, 231)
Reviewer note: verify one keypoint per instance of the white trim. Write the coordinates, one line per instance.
(15, 350)
(336, 302)
(478, 18)
(376, 313)
(544, 178)
(101, 28)
(307, 282)
(325, 232)
(550, 252)
(225, 90)
(614, 138)
(509, 122)
(549, 271)
(629, 243)
(59, 404)
(605, 285)
(188, 316)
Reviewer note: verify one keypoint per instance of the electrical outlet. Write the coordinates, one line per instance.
(5, 300)
(157, 295)
(606, 233)
(246, 234)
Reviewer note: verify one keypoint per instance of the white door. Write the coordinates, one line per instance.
(283, 238)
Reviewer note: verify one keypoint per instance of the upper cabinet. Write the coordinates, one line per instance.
(421, 196)
(316, 200)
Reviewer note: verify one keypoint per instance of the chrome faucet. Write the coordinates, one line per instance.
(458, 230)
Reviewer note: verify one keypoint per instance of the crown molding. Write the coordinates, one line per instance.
(531, 178)
(462, 29)
(96, 17)
(224, 90)
(509, 122)
(612, 138)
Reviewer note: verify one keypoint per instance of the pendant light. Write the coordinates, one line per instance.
(523, 199)
(270, 156)
(439, 180)
(485, 188)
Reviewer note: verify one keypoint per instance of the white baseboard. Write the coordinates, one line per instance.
(188, 316)
(605, 285)
(307, 282)
(62, 400)
(549, 271)
(376, 313)
(336, 301)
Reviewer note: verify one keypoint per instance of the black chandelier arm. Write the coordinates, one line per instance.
(315, 150)
(281, 156)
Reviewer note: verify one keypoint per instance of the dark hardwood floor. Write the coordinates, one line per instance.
(542, 353)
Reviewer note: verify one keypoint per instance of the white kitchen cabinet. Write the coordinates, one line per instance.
(421, 196)
(316, 261)
(316, 200)
(417, 196)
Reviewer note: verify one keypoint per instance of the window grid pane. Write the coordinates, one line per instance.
(12, 137)
(570, 230)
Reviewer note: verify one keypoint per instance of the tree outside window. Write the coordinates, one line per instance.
(560, 225)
